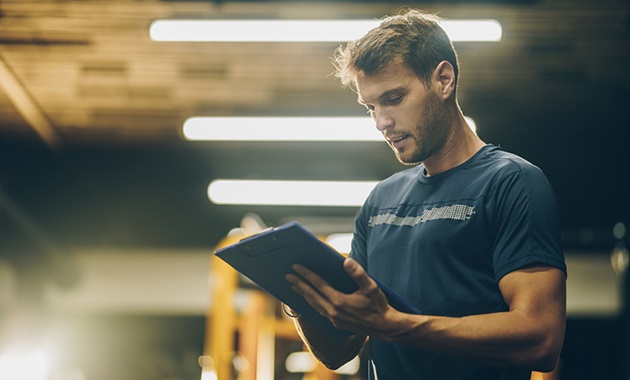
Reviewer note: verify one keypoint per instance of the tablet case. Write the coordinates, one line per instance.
(267, 257)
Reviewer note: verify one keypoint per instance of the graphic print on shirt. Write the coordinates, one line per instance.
(452, 212)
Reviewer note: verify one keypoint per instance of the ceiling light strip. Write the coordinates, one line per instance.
(313, 129)
(289, 193)
(301, 30)
(281, 129)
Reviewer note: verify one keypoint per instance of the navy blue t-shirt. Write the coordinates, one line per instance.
(443, 243)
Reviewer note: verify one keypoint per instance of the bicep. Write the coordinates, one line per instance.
(538, 293)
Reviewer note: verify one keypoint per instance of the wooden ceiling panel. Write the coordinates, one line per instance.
(91, 70)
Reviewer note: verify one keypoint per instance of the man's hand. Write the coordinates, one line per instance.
(366, 311)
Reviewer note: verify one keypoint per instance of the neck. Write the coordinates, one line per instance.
(462, 143)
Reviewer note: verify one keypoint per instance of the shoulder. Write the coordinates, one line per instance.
(502, 165)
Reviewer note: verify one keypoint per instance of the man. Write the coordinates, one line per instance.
(470, 236)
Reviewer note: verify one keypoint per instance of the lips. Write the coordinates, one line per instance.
(397, 141)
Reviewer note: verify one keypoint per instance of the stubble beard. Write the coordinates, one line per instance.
(431, 132)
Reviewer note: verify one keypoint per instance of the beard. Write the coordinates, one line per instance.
(430, 134)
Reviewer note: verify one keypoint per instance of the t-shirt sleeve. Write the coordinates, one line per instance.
(358, 250)
(527, 225)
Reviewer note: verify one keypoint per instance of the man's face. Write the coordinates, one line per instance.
(411, 116)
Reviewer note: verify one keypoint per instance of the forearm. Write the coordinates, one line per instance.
(499, 339)
(333, 353)
(530, 335)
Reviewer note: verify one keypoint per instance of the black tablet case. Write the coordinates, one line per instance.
(267, 257)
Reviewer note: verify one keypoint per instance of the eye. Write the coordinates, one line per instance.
(394, 100)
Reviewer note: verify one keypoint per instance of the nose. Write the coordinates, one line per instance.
(382, 119)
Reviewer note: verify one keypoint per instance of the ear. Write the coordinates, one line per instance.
(444, 78)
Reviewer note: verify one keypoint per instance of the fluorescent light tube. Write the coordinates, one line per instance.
(289, 193)
(281, 129)
(285, 129)
(473, 30)
(301, 30)
(259, 30)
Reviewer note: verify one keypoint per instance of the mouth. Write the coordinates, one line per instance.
(397, 141)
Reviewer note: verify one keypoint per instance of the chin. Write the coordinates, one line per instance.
(408, 160)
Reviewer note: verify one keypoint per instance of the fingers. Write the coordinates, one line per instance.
(351, 267)
(353, 312)
(357, 272)
(310, 294)
(310, 276)
(295, 281)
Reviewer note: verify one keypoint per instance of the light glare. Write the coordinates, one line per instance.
(473, 30)
(350, 368)
(301, 30)
(24, 365)
(281, 129)
(289, 193)
(341, 242)
(285, 129)
(471, 123)
(300, 362)
(208, 374)
(259, 30)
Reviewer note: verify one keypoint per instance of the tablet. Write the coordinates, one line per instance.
(267, 258)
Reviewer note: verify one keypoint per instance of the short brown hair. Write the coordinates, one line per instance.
(414, 38)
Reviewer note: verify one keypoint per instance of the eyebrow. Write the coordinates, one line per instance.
(381, 98)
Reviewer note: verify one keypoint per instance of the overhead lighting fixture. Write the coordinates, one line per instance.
(301, 30)
(281, 129)
(473, 30)
(284, 129)
(289, 193)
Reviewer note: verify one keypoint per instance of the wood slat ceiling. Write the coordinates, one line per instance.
(555, 90)
(90, 65)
